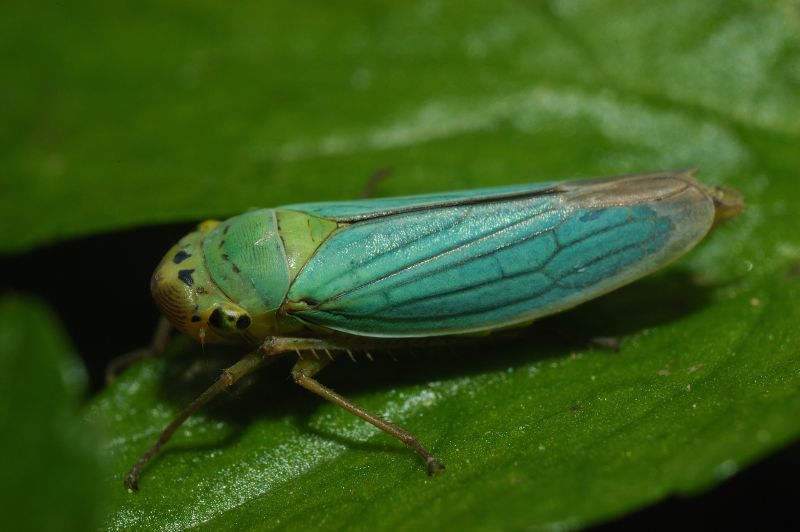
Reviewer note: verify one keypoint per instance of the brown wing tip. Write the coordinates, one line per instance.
(728, 203)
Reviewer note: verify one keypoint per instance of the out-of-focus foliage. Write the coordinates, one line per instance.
(51, 460)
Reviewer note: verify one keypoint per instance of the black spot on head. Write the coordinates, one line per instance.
(225, 256)
(222, 243)
(236, 269)
(215, 320)
(243, 322)
(225, 231)
(180, 257)
(195, 319)
(186, 277)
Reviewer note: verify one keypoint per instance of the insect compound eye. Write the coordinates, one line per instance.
(229, 319)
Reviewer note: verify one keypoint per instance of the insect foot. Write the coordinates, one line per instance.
(435, 467)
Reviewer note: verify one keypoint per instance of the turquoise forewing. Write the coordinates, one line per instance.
(487, 260)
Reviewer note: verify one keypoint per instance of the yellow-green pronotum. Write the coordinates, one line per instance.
(318, 278)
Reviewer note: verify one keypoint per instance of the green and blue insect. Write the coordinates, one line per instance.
(327, 277)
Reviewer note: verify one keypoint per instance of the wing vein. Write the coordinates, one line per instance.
(435, 256)
(495, 306)
(555, 284)
(490, 282)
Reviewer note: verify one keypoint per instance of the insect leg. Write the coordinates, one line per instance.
(229, 376)
(157, 346)
(303, 373)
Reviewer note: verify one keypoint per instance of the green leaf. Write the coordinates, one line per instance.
(121, 116)
(540, 436)
(51, 471)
